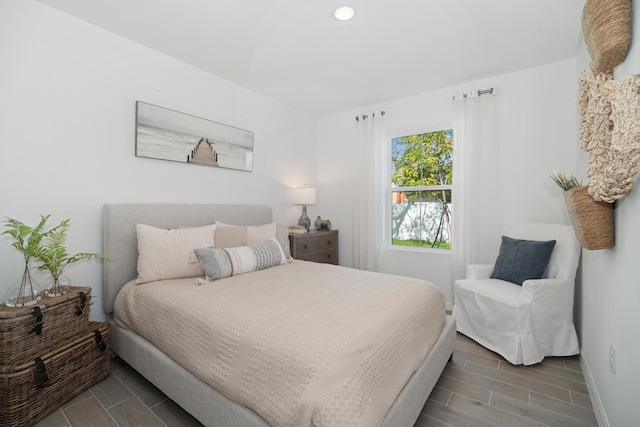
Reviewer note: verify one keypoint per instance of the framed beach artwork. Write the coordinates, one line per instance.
(170, 135)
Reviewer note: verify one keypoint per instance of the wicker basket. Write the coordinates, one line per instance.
(592, 221)
(39, 387)
(28, 332)
(606, 25)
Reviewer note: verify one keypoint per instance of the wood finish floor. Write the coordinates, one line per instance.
(478, 388)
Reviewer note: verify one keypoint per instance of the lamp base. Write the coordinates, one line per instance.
(304, 220)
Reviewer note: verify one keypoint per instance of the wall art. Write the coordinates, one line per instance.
(170, 135)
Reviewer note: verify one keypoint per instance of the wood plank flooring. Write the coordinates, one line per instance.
(478, 388)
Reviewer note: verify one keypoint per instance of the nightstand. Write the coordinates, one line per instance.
(316, 246)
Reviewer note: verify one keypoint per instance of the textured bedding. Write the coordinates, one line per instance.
(301, 344)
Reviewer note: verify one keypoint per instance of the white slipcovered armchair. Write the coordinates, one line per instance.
(523, 323)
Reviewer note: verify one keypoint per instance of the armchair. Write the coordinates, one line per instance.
(524, 323)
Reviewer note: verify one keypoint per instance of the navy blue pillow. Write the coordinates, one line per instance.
(521, 260)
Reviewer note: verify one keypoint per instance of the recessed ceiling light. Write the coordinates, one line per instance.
(344, 13)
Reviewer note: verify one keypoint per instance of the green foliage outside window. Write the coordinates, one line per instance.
(421, 216)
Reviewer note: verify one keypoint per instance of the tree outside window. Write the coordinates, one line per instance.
(421, 183)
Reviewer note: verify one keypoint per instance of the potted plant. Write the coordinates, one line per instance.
(47, 247)
(26, 240)
(592, 221)
(53, 257)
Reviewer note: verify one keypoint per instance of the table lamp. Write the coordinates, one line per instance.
(304, 196)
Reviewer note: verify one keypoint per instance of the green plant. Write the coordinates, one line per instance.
(52, 254)
(27, 241)
(48, 248)
(565, 181)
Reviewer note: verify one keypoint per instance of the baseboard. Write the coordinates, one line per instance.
(601, 415)
(448, 306)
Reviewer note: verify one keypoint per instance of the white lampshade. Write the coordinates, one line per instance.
(304, 196)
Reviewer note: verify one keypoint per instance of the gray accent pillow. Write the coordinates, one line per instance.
(219, 263)
(521, 260)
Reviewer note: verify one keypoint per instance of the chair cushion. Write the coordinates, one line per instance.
(495, 294)
(521, 260)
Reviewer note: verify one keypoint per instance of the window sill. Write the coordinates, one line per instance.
(416, 249)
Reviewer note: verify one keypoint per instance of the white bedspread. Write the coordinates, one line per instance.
(301, 344)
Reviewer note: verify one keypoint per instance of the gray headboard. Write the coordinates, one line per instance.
(120, 242)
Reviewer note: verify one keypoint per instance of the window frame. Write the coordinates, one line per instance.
(388, 235)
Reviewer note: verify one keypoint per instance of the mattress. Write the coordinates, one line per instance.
(301, 344)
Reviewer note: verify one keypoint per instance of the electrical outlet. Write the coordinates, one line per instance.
(612, 358)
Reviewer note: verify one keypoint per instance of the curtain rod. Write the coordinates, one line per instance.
(365, 116)
(480, 93)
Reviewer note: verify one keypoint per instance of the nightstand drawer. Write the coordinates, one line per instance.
(328, 256)
(305, 246)
(316, 246)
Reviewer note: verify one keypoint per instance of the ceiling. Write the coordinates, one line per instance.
(294, 51)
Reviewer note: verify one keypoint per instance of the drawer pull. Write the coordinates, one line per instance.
(329, 242)
(305, 247)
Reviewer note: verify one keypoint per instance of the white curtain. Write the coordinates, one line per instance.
(476, 182)
(370, 202)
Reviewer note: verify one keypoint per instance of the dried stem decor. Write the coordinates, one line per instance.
(565, 181)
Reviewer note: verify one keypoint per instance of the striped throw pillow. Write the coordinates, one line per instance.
(219, 263)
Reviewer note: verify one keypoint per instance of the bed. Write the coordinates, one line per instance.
(223, 405)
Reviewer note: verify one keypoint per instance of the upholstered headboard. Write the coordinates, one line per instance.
(120, 242)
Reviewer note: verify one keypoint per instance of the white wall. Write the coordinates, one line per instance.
(610, 291)
(67, 126)
(537, 121)
(67, 130)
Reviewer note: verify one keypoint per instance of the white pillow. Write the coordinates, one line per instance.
(255, 233)
(231, 236)
(282, 235)
(168, 254)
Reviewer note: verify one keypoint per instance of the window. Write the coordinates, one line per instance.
(421, 189)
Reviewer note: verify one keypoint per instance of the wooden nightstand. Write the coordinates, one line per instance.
(316, 246)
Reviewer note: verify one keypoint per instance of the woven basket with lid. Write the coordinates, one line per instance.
(28, 332)
(40, 386)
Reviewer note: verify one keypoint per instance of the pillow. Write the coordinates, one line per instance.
(219, 263)
(282, 235)
(521, 260)
(231, 236)
(168, 254)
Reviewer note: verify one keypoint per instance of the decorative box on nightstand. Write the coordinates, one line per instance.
(316, 246)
